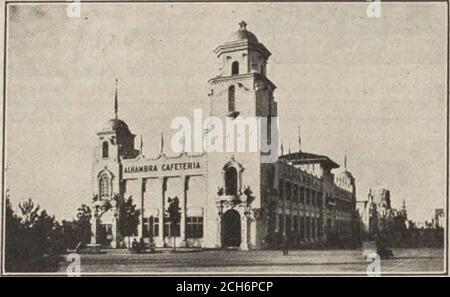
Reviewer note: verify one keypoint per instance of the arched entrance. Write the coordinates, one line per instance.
(231, 229)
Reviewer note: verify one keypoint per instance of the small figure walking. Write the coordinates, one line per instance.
(285, 245)
(134, 246)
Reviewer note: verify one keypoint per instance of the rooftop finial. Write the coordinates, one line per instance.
(243, 25)
(116, 103)
(299, 140)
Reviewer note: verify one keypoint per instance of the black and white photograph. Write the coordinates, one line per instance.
(224, 138)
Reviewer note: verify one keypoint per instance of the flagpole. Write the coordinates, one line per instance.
(162, 144)
(116, 100)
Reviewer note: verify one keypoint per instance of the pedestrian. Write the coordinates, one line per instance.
(134, 246)
(141, 245)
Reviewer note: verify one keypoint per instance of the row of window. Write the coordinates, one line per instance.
(194, 227)
(342, 205)
(300, 194)
(296, 193)
(343, 227)
(308, 228)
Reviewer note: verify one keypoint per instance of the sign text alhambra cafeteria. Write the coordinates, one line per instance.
(162, 169)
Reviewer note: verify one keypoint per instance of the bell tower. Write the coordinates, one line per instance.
(115, 142)
(240, 94)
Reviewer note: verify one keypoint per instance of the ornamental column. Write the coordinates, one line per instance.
(94, 222)
(114, 229)
(141, 183)
(183, 202)
(219, 224)
(244, 232)
(162, 181)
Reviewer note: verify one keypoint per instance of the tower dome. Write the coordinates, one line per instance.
(243, 34)
(115, 125)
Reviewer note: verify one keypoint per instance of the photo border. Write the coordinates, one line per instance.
(212, 274)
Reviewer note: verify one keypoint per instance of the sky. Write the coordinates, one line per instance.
(374, 88)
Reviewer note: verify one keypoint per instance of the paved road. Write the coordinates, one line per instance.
(259, 262)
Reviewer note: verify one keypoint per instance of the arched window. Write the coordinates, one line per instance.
(231, 96)
(104, 186)
(105, 149)
(235, 68)
(231, 181)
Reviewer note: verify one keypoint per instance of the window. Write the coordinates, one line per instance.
(231, 97)
(151, 227)
(288, 225)
(319, 200)
(302, 195)
(281, 186)
(104, 186)
(194, 227)
(295, 198)
(169, 231)
(295, 225)
(105, 149)
(319, 224)
(155, 226)
(146, 231)
(307, 197)
(231, 181)
(288, 191)
(280, 224)
(313, 226)
(262, 70)
(235, 68)
(308, 229)
(302, 228)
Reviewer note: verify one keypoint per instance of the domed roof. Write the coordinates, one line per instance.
(242, 34)
(115, 125)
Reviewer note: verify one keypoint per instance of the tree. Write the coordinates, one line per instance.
(174, 216)
(49, 234)
(34, 240)
(128, 217)
(13, 243)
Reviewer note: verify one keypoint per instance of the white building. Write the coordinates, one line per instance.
(228, 199)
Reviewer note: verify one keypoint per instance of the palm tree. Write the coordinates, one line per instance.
(29, 212)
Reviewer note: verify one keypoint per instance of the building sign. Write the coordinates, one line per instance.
(145, 168)
(164, 167)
